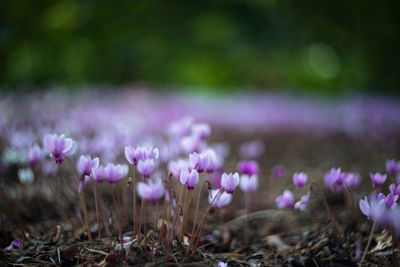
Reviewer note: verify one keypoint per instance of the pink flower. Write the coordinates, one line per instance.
(377, 179)
(390, 200)
(59, 146)
(152, 191)
(278, 171)
(115, 172)
(176, 167)
(375, 210)
(285, 200)
(221, 200)
(248, 184)
(86, 164)
(201, 130)
(35, 155)
(299, 179)
(99, 173)
(199, 161)
(145, 167)
(248, 167)
(304, 202)
(189, 179)
(134, 155)
(222, 264)
(392, 166)
(230, 182)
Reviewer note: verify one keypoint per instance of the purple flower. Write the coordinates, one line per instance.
(215, 162)
(221, 200)
(59, 146)
(17, 243)
(100, 174)
(115, 172)
(278, 171)
(200, 161)
(299, 179)
(35, 155)
(145, 167)
(201, 130)
(352, 180)
(49, 168)
(133, 156)
(377, 179)
(394, 190)
(392, 166)
(248, 167)
(86, 164)
(331, 179)
(180, 128)
(375, 210)
(222, 264)
(230, 182)
(151, 191)
(286, 200)
(176, 166)
(248, 184)
(189, 179)
(390, 200)
(191, 144)
(304, 202)
(252, 149)
(394, 219)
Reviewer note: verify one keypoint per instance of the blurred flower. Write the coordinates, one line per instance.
(17, 243)
(201, 130)
(215, 161)
(248, 184)
(285, 200)
(99, 173)
(26, 176)
(390, 200)
(222, 264)
(200, 161)
(133, 156)
(86, 164)
(115, 172)
(394, 190)
(304, 202)
(180, 128)
(230, 182)
(352, 180)
(190, 144)
(377, 179)
(49, 168)
(145, 167)
(278, 171)
(248, 167)
(35, 155)
(299, 179)
(221, 200)
(392, 166)
(59, 146)
(252, 149)
(375, 210)
(151, 191)
(176, 166)
(189, 179)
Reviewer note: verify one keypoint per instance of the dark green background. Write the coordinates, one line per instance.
(319, 46)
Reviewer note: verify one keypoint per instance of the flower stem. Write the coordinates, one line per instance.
(184, 214)
(97, 211)
(83, 202)
(369, 242)
(134, 202)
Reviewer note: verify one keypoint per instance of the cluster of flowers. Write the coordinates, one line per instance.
(286, 200)
(382, 208)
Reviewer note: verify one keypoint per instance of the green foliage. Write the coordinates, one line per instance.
(324, 46)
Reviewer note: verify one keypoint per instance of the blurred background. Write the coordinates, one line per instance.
(323, 47)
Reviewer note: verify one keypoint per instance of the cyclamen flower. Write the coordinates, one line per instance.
(230, 182)
(331, 178)
(201, 130)
(285, 200)
(352, 180)
(222, 264)
(248, 184)
(375, 210)
(392, 166)
(151, 191)
(59, 146)
(145, 167)
(390, 200)
(180, 128)
(15, 244)
(133, 156)
(299, 179)
(377, 179)
(115, 172)
(190, 144)
(189, 179)
(304, 202)
(394, 190)
(248, 167)
(176, 167)
(99, 174)
(278, 171)
(35, 155)
(215, 161)
(86, 164)
(221, 200)
(199, 161)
